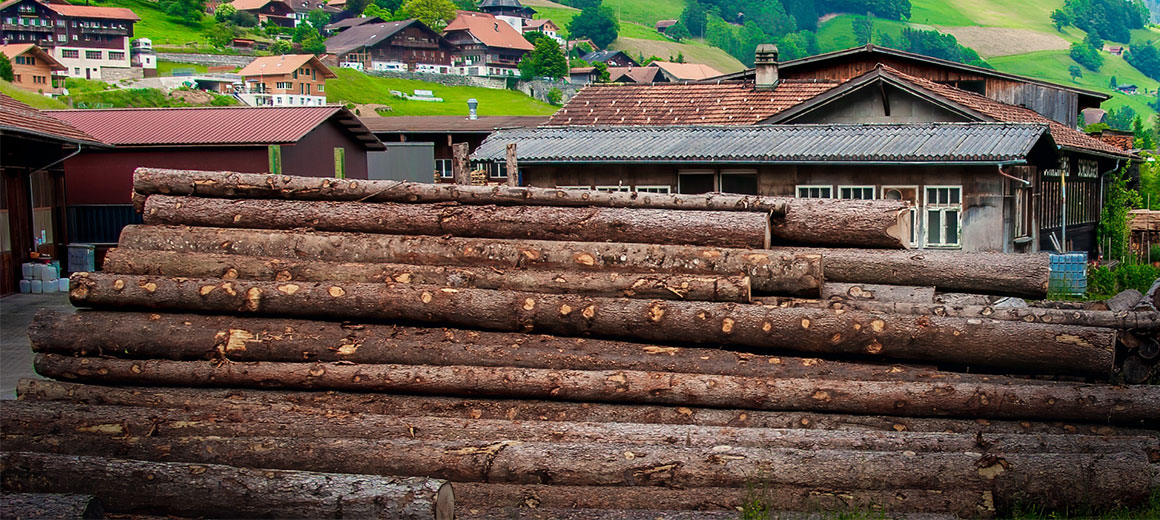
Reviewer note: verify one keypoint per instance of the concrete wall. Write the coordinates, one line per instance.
(115, 74)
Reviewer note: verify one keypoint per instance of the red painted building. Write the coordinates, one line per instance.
(326, 141)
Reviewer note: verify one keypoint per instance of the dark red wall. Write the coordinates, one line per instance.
(313, 155)
(106, 177)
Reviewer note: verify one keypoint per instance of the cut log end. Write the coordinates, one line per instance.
(445, 502)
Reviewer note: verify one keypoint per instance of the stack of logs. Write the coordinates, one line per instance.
(351, 347)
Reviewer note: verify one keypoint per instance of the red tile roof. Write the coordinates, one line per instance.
(208, 125)
(717, 104)
(20, 118)
(1064, 136)
(90, 11)
(285, 64)
(490, 30)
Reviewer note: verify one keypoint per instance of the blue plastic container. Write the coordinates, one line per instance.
(1068, 274)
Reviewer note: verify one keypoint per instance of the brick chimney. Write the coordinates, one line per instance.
(765, 66)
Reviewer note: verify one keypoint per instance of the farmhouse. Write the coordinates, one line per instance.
(86, 39)
(405, 46)
(34, 69)
(277, 12)
(287, 80)
(485, 46)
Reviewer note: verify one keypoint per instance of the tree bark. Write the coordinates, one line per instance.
(1130, 320)
(1053, 480)
(193, 336)
(56, 506)
(150, 181)
(706, 287)
(795, 274)
(646, 226)
(1007, 274)
(513, 167)
(246, 400)
(878, 293)
(186, 489)
(1122, 405)
(844, 223)
(531, 498)
(34, 418)
(1043, 348)
(1124, 301)
(460, 168)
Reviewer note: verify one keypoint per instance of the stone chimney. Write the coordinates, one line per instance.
(765, 66)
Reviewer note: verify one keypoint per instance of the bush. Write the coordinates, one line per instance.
(1101, 282)
(555, 96)
(1087, 56)
(1135, 276)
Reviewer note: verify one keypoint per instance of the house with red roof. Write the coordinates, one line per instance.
(88, 40)
(34, 69)
(485, 45)
(983, 157)
(277, 12)
(289, 80)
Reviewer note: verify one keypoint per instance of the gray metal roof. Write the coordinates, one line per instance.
(886, 143)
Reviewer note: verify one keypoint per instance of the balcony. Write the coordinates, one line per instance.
(115, 31)
(22, 27)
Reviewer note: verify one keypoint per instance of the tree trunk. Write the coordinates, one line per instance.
(258, 401)
(513, 168)
(1052, 480)
(1117, 320)
(34, 418)
(965, 503)
(1124, 301)
(149, 181)
(220, 491)
(650, 226)
(1043, 348)
(194, 336)
(460, 168)
(1122, 405)
(795, 274)
(844, 223)
(593, 283)
(1008, 274)
(878, 293)
(55, 506)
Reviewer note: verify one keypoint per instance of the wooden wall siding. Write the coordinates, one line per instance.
(1057, 104)
(866, 106)
(855, 66)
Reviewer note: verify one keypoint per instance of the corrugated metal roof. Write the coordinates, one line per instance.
(211, 125)
(17, 117)
(927, 142)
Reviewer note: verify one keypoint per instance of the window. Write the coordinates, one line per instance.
(499, 170)
(443, 166)
(696, 181)
(92, 55)
(815, 192)
(115, 55)
(284, 85)
(653, 189)
(320, 89)
(61, 38)
(944, 209)
(856, 192)
(614, 188)
(742, 182)
(295, 75)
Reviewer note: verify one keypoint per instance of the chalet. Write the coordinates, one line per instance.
(545, 27)
(32, 213)
(663, 25)
(406, 46)
(312, 141)
(673, 71)
(277, 12)
(343, 25)
(302, 9)
(443, 131)
(610, 58)
(34, 69)
(1128, 89)
(510, 11)
(484, 45)
(981, 174)
(85, 39)
(288, 80)
(648, 74)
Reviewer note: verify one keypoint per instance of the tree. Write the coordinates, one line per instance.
(1120, 118)
(602, 75)
(435, 14)
(1060, 19)
(280, 47)
(1145, 58)
(1113, 226)
(1112, 83)
(1112, 19)
(584, 4)
(554, 96)
(319, 18)
(314, 45)
(225, 12)
(304, 32)
(546, 60)
(1143, 137)
(863, 28)
(184, 10)
(1074, 72)
(678, 31)
(1087, 56)
(220, 35)
(355, 7)
(693, 18)
(389, 5)
(597, 24)
(6, 72)
(1093, 38)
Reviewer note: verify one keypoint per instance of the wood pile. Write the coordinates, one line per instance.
(399, 350)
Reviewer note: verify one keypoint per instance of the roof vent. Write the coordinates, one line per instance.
(765, 66)
(472, 104)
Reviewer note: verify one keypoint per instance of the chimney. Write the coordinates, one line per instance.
(472, 104)
(765, 66)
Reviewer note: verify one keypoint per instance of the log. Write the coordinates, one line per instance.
(150, 181)
(251, 401)
(850, 223)
(1138, 404)
(1124, 301)
(1053, 480)
(595, 283)
(174, 488)
(878, 293)
(646, 226)
(795, 274)
(607, 514)
(1130, 320)
(513, 178)
(193, 336)
(44, 506)
(459, 165)
(1043, 348)
(59, 418)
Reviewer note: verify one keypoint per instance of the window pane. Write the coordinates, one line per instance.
(954, 195)
(742, 184)
(932, 227)
(696, 183)
(952, 223)
(931, 196)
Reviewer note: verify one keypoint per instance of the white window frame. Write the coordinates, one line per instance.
(716, 180)
(498, 170)
(735, 171)
(444, 173)
(915, 223)
(927, 207)
(798, 190)
(873, 190)
(654, 188)
(614, 188)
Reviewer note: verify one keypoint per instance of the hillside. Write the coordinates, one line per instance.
(31, 99)
(353, 86)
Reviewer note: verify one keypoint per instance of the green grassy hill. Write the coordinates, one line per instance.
(29, 98)
(353, 86)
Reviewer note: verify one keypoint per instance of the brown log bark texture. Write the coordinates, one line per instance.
(794, 274)
(1051, 479)
(647, 226)
(247, 400)
(852, 223)
(59, 418)
(56, 506)
(705, 287)
(163, 487)
(878, 293)
(976, 342)
(1127, 320)
(177, 337)
(1139, 404)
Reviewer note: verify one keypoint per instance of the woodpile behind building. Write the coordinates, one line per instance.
(414, 351)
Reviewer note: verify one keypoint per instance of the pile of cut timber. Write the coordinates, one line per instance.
(402, 350)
